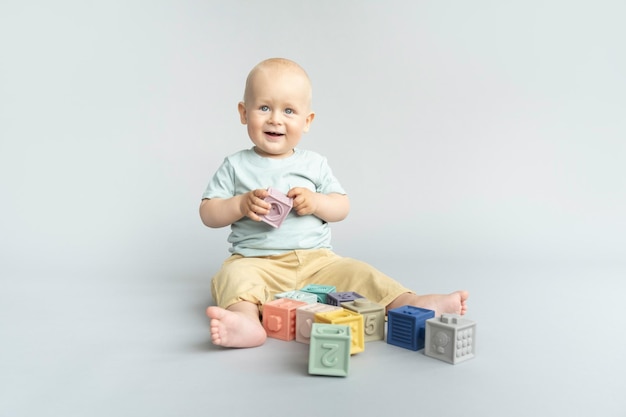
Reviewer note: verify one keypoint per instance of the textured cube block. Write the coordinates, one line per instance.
(305, 317)
(348, 318)
(329, 352)
(280, 207)
(336, 298)
(279, 318)
(450, 338)
(303, 296)
(373, 318)
(406, 326)
(321, 291)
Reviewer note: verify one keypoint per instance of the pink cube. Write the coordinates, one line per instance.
(305, 317)
(279, 318)
(280, 207)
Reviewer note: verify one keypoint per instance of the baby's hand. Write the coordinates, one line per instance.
(253, 204)
(304, 200)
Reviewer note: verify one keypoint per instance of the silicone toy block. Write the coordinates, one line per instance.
(306, 297)
(320, 290)
(373, 317)
(305, 317)
(347, 318)
(279, 318)
(336, 298)
(450, 338)
(406, 326)
(329, 352)
(280, 207)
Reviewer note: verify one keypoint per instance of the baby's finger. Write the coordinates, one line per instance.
(258, 209)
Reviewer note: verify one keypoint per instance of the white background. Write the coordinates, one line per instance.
(476, 139)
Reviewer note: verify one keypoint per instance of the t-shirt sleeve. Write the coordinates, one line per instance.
(222, 184)
(328, 182)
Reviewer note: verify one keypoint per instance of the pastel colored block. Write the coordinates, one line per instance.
(450, 338)
(348, 318)
(305, 317)
(321, 291)
(406, 326)
(329, 352)
(279, 318)
(306, 297)
(280, 207)
(336, 298)
(373, 317)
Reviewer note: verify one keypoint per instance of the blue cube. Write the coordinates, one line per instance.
(406, 326)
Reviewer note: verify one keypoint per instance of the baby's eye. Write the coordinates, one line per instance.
(264, 108)
(289, 111)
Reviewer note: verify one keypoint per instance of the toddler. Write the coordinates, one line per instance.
(265, 260)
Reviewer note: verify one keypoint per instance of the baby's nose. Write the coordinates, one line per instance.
(274, 117)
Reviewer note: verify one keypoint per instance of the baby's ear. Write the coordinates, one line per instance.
(241, 107)
(308, 121)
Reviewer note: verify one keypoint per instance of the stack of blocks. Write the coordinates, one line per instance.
(341, 316)
(337, 325)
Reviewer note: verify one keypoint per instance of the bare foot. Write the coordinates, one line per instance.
(453, 303)
(235, 328)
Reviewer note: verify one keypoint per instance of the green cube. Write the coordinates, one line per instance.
(329, 352)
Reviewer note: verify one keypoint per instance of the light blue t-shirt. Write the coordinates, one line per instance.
(246, 170)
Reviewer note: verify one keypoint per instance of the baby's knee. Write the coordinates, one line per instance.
(358, 268)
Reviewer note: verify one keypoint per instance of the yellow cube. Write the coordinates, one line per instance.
(347, 318)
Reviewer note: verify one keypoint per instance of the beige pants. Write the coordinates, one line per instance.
(258, 279)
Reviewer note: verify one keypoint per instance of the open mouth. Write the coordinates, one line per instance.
(274, 134)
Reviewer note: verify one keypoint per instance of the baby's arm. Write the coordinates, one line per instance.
(331, 207)
(220, 212)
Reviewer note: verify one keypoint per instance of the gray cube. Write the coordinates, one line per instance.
(450, 338)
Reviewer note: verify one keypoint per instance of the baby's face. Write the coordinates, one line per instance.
(277, 111)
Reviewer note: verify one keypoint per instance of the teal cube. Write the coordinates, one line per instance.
(329, 351)
(321, 291)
